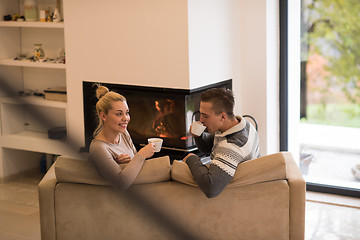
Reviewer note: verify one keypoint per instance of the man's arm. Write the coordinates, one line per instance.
(212, 180)
(205, 142)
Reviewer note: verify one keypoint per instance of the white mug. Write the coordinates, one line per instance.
(197, 128)
(157, 142)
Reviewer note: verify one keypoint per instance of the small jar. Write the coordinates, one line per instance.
(30, 10)
(38, 52)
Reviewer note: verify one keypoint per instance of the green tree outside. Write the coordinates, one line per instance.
(333, 61)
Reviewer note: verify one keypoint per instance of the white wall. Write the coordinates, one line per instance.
(133, 42)
(294, 77)
(256, 68)
(211, 36)
(177, 44)
(141, 42)
(272, 77)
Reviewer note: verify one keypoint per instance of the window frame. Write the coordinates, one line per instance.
(284, 106)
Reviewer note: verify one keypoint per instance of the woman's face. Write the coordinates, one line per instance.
(117, 118)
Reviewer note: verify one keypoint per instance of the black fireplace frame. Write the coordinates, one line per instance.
(192, 95)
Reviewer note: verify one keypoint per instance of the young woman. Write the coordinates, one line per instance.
(112, 144)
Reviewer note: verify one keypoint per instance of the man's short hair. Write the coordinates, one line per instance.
(222, 100)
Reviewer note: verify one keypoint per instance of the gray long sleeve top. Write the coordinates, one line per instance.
(104, 154)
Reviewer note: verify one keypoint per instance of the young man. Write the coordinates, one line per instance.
(230, 140)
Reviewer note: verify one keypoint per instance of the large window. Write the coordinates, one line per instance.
(329, 111)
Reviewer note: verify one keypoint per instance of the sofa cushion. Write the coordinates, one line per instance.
(83, 171)
(180, 172)
(268, 168)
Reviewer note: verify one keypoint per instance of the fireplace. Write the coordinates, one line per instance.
(155, 112)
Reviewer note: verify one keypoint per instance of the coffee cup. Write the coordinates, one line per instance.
(157, 143)
(197, 128)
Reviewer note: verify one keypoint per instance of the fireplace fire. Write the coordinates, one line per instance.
(155, 112)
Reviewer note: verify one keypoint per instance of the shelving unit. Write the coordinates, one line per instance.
(33, 100)
(35, 142)
(31, 24)
(22, 132)
(28, 63)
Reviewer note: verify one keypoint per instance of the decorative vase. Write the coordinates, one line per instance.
(38, 52)
(56, 16)
(30, 10)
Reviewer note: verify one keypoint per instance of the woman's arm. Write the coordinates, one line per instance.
(132, 169)
(119, 176)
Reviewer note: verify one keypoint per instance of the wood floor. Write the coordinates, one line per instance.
(19, 209)
(327, 216)
(19, 221)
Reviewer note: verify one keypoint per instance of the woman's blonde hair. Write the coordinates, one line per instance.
(105, 99)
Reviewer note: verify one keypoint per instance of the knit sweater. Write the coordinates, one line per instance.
(227, 150)
(103, 155)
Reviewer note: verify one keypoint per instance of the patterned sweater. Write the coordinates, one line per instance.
(228, 149)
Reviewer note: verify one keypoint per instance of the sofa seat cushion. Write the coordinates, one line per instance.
(263, 169)
(82, 171)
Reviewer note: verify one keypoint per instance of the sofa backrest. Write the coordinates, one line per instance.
(83, 171)
(268, 168)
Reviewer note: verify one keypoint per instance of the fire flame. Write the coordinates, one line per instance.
(164, 109)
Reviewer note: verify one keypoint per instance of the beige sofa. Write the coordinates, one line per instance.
(265, 200)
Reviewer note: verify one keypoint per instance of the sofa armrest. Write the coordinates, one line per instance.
(297, 198)
(46, 190)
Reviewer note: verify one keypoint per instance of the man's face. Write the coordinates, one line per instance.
(208, 117)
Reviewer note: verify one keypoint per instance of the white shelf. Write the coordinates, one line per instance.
(20, 129)
(35, 24)
(28, 63)
(34, 100)
(36, 142)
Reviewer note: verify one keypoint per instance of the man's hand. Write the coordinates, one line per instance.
(123, 158)
(187, 156)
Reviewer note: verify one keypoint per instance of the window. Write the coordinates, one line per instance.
(328, 97)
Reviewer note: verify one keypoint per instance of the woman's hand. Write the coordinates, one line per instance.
(123, 158)
(148, 150)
